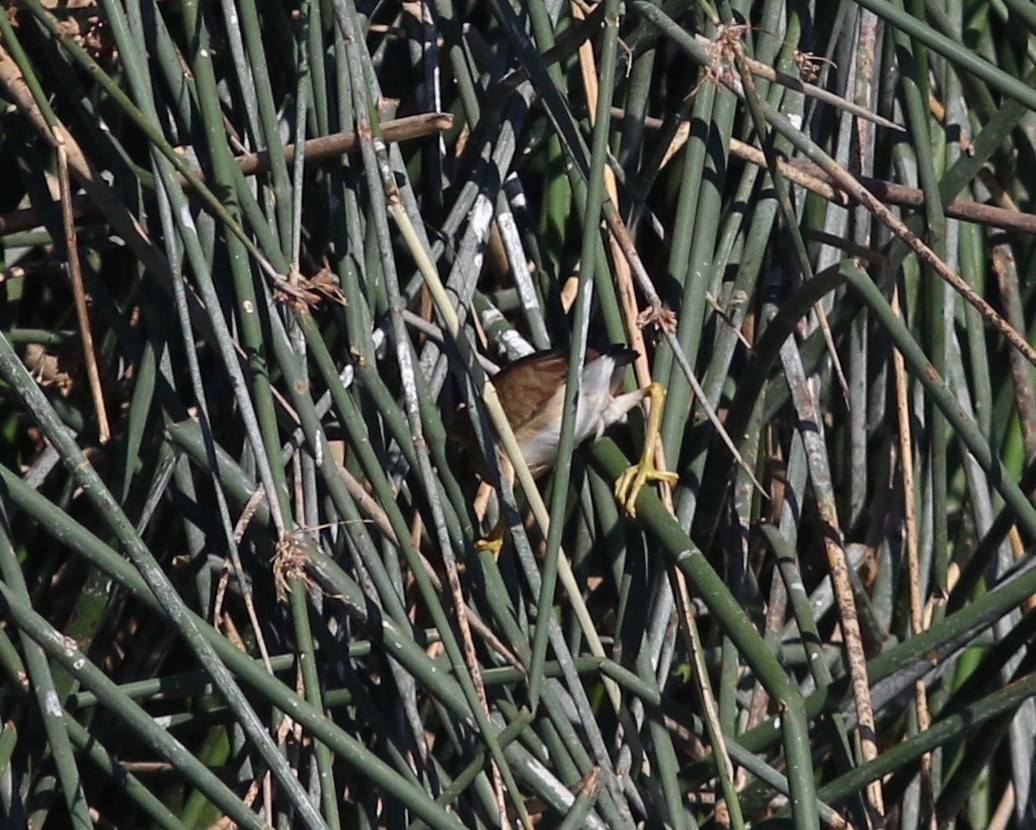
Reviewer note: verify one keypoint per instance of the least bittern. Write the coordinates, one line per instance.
(532, 394)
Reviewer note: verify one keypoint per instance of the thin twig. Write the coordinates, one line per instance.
(75, 275)
(768, 73)
(700, 673)
(816, 180)
(315, 150)
(338, 144)
(910, 529)
(806, 409)
(851, 185)
(657, 315)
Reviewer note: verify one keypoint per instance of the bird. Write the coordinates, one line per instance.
(531, 391)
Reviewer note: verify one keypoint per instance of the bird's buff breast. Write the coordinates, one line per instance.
(540, 448)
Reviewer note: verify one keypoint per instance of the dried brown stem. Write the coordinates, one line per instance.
(768, 73)
(1006, 271)
(98, 190)
(813, 178)
(316, 149)
(917, 623)
(807, 410)
(75, 275)
(337, 144)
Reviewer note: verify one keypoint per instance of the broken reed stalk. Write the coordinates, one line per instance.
(315, 150)
(816, 180)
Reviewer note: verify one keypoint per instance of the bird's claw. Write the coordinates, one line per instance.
(632, 481)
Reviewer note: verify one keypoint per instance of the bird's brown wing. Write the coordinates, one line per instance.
(526, 386)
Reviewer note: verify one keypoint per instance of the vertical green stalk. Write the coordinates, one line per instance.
(249, 307)
(14, 372)
(51, 713)
(271, 140)
(577, 349)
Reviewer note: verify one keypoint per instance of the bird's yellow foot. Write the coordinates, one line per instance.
(632, 481)
(494, 541)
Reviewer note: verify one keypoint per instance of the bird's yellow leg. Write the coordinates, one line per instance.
(631, 482)
(494, 540)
